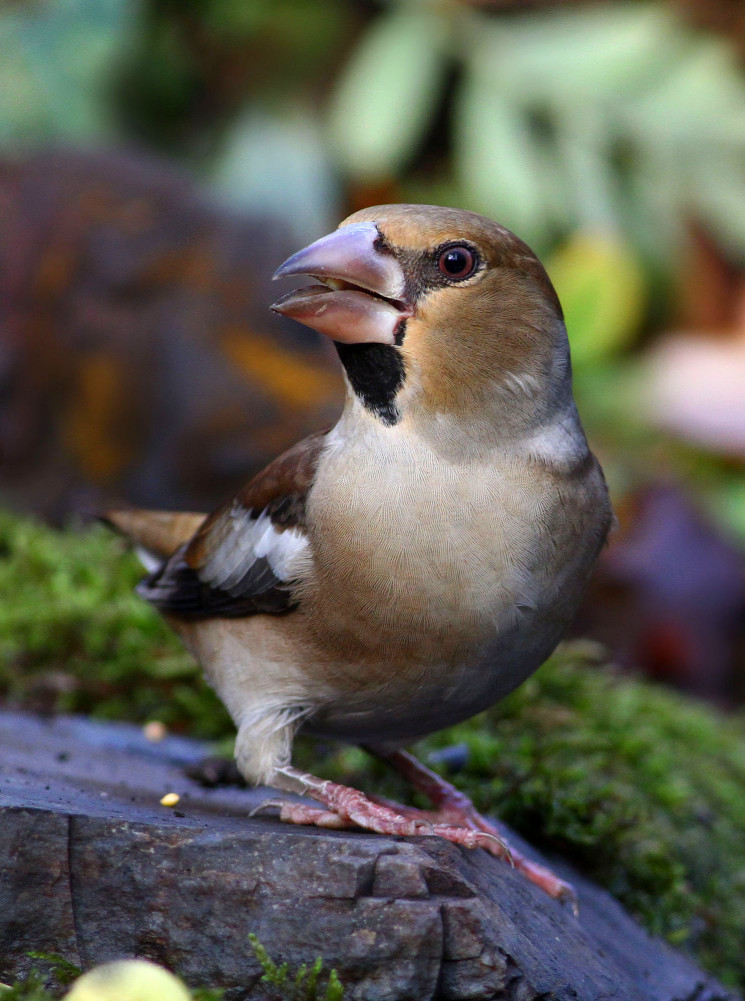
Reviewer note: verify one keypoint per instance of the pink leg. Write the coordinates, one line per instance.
(299, 813)
(454, 807)
(352, 807)
(302, 813)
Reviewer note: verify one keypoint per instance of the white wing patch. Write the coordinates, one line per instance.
(281, 549)
(150, 560)
(251, 554)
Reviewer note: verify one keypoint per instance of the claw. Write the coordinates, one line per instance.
(463, 824)
(455, 817)
(503, 849)
(424, 827)
(265, 805)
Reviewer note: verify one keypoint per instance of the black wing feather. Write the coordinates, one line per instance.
(177, 589)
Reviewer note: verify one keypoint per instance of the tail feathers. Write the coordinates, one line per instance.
(157, 534)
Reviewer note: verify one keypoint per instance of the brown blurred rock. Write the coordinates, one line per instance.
(92, 867)
(139, 361)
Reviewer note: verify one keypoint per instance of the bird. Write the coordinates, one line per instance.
(412, 565)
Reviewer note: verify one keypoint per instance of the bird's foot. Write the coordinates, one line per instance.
(303, 813)
(454, 808)
(300, 813)
(455, 817)
(347, 807)
(452, 826)
(343, 807)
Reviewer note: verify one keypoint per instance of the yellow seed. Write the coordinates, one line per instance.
(154, 731)
(170, 799)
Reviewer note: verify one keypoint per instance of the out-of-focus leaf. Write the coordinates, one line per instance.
(278, 167)
(497, 160)
(719, 197)
(386, 96)
(700, 97)
(601, 288)
(582, 143)
(606, 52)
(54, 60)
(728, 505)
(618, 117)
(651, 213)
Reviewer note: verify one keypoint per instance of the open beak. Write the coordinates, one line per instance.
(361, 298)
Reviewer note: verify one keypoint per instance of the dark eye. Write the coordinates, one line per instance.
(457, 263)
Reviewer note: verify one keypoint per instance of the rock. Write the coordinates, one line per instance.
(139, 360)
(94, 868)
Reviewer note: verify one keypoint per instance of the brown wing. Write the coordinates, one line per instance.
(159, 533)
(242, 559)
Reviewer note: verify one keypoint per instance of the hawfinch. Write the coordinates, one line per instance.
(414, 564)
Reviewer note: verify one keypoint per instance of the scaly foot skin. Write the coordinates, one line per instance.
(347, 807)
(455, 818)
(454, 807)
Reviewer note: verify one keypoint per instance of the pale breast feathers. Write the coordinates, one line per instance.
(243, 558)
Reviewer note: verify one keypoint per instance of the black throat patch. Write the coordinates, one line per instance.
(376, 372)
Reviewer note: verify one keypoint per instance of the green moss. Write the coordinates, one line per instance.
(38, 986)
(75, 638)
(278, 983)
(640, 787)
(302, 984)
(30, 988)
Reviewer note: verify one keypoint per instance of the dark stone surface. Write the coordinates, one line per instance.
(94, 868)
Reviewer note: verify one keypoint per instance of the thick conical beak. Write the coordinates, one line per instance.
(361, 299)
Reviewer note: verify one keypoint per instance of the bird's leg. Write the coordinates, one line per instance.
(352, 808)
(456, 809)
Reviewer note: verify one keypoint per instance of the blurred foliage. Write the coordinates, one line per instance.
(602, 291)
(194, 64)
(56, 60)
(641, 788)
(231, 85)
(387, 96)
(586, 117)
(594, 117)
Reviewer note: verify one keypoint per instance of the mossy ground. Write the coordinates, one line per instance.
(641, 788)
(53, 975)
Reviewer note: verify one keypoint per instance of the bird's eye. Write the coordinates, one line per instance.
(457, 263)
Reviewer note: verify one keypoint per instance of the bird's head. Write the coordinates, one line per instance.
(439, 316)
